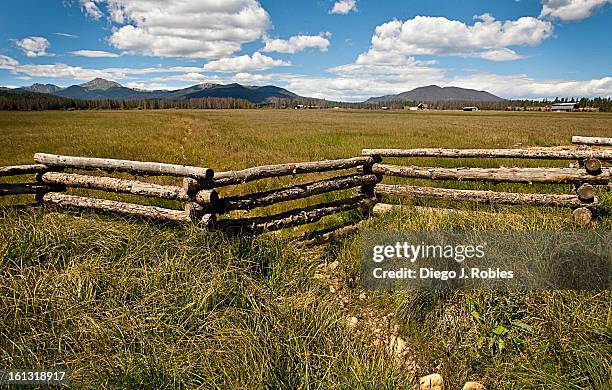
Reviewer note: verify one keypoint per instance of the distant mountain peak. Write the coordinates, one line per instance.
(207, 85)
(101, 84)
(43, 88)
(433, 93)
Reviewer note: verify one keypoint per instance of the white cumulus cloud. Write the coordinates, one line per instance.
(343, 7)
(426, 35)
(8, 62)
(182, 28)
(503, 54)
(91, 9)
(524, 86)
(33, 46)
(297, 43)
(94, 54)
(244, 63)
(571, 10)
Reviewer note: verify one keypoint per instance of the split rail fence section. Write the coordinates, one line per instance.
(51, 181)
(583, 177)
(54, 174)
(198, 193)
(363, 202)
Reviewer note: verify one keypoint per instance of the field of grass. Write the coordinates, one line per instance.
(126, 304)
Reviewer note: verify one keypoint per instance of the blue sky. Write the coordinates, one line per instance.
(336, 49)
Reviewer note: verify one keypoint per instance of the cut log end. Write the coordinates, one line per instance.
(593, 166)
(583, 215)
(207, 198)
(586, 193)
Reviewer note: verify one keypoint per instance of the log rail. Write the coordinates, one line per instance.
(592, 141)
(497, 175)
(541, 153)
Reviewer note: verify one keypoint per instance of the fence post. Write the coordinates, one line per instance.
(203, 201)
(585, 191)
(56, 188)
(368, 190)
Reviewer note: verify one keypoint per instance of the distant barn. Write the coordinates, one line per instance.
(564, 106)
(470, 108)
(420, 106)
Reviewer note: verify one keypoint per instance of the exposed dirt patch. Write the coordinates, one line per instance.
(370, 323)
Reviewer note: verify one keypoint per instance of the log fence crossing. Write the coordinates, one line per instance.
(201, 203)
(363, 202)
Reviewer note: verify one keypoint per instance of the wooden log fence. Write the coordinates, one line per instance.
(300, 191)
(27, 188)
(36, 188)
(203, 204)
(222, 179)
(496, 175)
(592, 141)
(16, 170)
(542, 153)
(112, 184)
(151, 212)
(134, 167)
(489, 197)
(292, 218)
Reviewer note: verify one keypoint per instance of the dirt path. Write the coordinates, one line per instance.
(370, 323)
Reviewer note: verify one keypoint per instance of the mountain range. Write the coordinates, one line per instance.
(433, 93)
(104, 89)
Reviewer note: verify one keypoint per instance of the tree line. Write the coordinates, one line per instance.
(18, 100)
(32, 101)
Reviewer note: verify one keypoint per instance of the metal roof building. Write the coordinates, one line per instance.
(564, 106)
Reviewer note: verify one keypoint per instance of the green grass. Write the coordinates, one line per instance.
(127, 304)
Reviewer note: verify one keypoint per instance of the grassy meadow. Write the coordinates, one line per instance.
(127, 304)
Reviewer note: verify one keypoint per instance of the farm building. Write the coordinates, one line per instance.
(470, 108)
(420, 106)
(564, 106)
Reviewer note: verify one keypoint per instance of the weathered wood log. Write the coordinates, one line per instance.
(291, 218)
(497, 175)
(112, 184)
(151, 212)
(592, 166)
(26, 188)
(489, 197)
(262, 199)
(135, 167)
(583, 215)
(207, 198)
(266, 171)
(591, 140)
(539, 153)
(15, 170)
(191, 186)
(324, 236)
